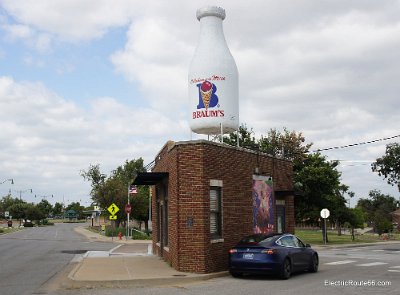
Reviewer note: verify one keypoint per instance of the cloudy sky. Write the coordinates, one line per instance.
(99, 81)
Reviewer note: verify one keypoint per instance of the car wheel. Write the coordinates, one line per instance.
(286, 269)
(314, 263)
(236, 274)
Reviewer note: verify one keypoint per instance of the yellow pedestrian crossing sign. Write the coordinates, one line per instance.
(113, 217)
(113, 209)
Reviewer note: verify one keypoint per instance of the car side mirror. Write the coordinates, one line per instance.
(308, 246)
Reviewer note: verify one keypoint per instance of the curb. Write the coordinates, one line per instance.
(143, 282)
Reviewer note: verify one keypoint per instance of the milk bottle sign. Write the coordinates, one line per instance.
(213, 78)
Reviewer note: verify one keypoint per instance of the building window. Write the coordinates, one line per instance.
(215, 213)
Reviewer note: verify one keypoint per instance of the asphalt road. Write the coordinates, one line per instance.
(354, 270)
(31, 257)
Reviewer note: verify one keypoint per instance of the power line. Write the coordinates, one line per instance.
(355, 144)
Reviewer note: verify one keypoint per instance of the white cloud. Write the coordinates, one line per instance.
(158, 64)
(49, 139)
(39, 41)
(18, 31)
(73, 20)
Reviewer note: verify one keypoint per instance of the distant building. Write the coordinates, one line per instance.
(71, 215)
(396, 218)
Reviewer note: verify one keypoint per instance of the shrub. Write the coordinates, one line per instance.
(47, 222)
(140, 235)
(384, 226)
(110, 231)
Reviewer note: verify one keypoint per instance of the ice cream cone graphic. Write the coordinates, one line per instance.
(206, 92)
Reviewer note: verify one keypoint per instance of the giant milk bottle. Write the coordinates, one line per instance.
(213, 78)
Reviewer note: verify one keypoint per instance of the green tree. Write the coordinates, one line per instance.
(388, 165)
(76, 206)
(8, 201)
(140, 205)
(319, 182)
(377, 210)
(355, 219)
(17, 210)
(337, 203)
(57, 209)
(287, 145)
(114, 189)
(128, 171)
(34, 213)
(45, 207)
(246, 138)
(94, 175)
(367, 207)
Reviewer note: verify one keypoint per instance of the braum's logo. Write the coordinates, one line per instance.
(207, 100)
(207, 96)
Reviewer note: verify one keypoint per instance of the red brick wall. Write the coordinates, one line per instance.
(191, 166)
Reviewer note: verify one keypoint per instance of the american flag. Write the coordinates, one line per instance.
(132, 189)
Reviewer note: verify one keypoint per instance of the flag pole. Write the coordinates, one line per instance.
(128, 213)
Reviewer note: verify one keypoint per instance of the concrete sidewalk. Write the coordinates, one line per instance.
(129, 263)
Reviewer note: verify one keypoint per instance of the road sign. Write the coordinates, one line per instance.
(325, 213)
(128, 209)
(113, 209)
(6, 214)
(113, 217)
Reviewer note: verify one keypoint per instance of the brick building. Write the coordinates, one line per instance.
(396, 219)
(202, 201)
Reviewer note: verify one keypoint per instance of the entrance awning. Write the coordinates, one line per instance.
(149, 178)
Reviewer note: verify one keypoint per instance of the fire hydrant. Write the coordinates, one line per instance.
(120, 235)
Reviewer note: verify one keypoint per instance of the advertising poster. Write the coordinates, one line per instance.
(263, 204)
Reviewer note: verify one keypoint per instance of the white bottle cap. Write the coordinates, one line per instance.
(210, 11)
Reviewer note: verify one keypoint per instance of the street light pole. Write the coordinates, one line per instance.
(10, 179)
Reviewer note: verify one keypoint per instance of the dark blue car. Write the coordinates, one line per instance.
(280, 254)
